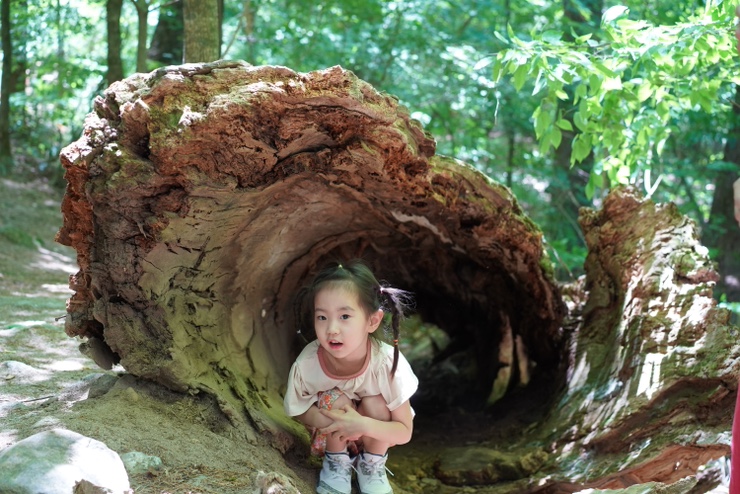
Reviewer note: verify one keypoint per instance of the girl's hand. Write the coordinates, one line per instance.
(347, 424)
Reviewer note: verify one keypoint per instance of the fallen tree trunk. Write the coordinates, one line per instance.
(201, 197)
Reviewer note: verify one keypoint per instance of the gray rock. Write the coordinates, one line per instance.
(101, 384)
(273, 483)
(20, 373)
(136, 462)
(54, 461)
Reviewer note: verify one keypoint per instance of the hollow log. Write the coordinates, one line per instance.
(201, 197)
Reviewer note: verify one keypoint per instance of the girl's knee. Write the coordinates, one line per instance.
(374, 407)
(342, 400)
(333, 398)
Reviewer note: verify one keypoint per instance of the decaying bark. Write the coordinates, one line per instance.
(654, 364)
(201, 197)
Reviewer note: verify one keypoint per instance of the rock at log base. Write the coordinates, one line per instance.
(201, 197)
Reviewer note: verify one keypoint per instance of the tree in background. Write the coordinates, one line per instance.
(113, 19)
(202, 30)
(720, 233)
(142, 16)
(6, 154)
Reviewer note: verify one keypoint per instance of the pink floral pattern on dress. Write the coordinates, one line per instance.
(325, 401)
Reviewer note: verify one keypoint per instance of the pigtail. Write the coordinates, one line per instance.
(397, 300)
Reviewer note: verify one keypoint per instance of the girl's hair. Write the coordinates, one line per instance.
(372, 295)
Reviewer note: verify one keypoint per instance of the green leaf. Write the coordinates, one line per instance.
(614, 13)
(556, 137)
(564, 124)
(543, 121)
(501, 38)
(581, 149)
(581, 92)
(497, 71)
(594, 83)
(644, 91)
(622, 174)
(562, 95)
(580, 121)
(605, 70)
(520, 76)
(552, 36)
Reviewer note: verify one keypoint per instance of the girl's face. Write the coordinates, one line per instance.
(342, 326)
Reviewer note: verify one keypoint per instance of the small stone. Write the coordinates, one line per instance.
(137, 463)
(101, 384)
(85, 487)
(273, 483)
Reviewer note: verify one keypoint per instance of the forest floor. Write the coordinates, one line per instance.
(46, 382)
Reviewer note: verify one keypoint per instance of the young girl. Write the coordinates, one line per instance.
(347, 386)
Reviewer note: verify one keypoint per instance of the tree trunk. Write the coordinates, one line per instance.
(113, 20)
(19, 34)
(201, 198)
(142, 16)
(6, 153)
(167, 41)
(202, 31)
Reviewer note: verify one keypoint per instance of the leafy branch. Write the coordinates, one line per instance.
(617, 96)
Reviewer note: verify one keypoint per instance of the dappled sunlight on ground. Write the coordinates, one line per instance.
(66, 365)
(50, 260)
(62, 289)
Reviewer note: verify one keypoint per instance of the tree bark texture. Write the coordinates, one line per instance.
(652, 359)
(167, 41)
(200, 198)
(6, 152)
(202, 31)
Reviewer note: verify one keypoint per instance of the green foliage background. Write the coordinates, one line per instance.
(642, 91)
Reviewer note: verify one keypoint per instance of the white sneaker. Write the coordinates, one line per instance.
(371, 474)
(336, 474)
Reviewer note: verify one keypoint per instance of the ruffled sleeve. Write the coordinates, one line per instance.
(298, 396)
(399, 389)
